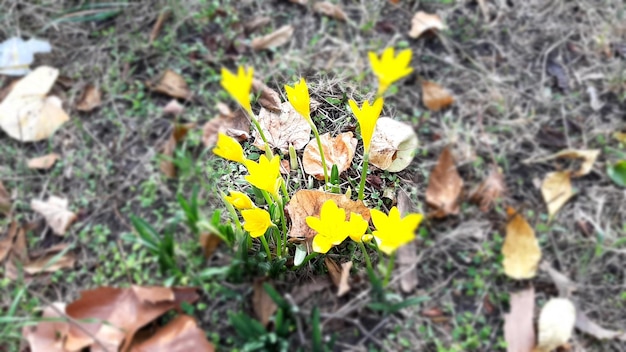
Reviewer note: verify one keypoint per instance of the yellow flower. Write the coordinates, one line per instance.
(238, 86)
(367, 117)
(298, 96)
(393, 231)
(356, 228)
(228, 148)
(390, 68)
(239, 200)
(257, 221)
(330, 227)
(265, 174)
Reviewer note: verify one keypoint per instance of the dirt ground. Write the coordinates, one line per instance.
(499, 59)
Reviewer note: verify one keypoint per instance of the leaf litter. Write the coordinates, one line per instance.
(338, 151)
(444, 186)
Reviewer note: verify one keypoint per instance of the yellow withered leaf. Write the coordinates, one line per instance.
(556, 190)
(520, 250)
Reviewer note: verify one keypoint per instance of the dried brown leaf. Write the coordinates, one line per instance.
(268, 98)
(48, 334)
(521, 249)
(209, 243)
(435, 97)
(344, 286)
(519, 332)
(423, 22)
(5, 200)
(172, 84)
(407, 254)
(174, 108)
(55, 211)
(179, 335)
(263, 305)
(179, 131)
(48, 261)
(235, 124)
(556, 190)
(275, 39)
(490, 190)
(393, 145)
(282, 129)
(333, 270)
(444, 186)
(90, 99)
(156, 29)
(556, 324)
(256, 23)
(331, 10)
(337, 151)
(43, 162)
(6, 243)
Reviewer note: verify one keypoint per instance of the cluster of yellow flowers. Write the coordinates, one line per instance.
(331, 227)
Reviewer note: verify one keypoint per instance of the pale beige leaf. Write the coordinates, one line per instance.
(519, 332)
(423, 22)
(337, 151)
(256, 23)
(435, 97)
(565, 286)
(263, 305)
(172, 84)
(587, 158)
(275, 39)
(331, 10)
(490, 190)
(90, 99)
(393, 145)
(234, 124)
(282, 129)
(174, 108)
(556, 190)
(556, 324)
(36, 84)
(268, 98)
(179, 335)
(48, 335)
(344, 286)
(407, 254)
(444, 186)
(520, 249)
(55, 211)
(43, 162)
(588, 326)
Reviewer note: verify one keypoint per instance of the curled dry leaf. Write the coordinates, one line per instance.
(49, 261)
(234, 124)
(268, 98)
(565, 286)
(172, 84)
(156, 29)
(407, 254)
(49, 333)
(5, 200)
(337, 151)
(519, 332)
(179, 131)
(282, 129)
(394, 144)
(587, 158)
(263, 305)
(209, 243)
(556, 190)
(423, 22)
(309, 203)
(179, 335)
(331, 10)
(275, 39)
(43, 162)
(256, 23)
(333, 270)
(520, 249)
(435, 97)
(490, 190)
(6, 243)
(90, 99)
(55, 211)
(339, 276)
(444, 186)
(556, 324)
(26, 114)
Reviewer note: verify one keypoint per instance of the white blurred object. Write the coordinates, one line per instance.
(16, 55)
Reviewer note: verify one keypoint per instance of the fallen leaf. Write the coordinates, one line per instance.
(49, 261)
(124, 311)
(172, 84)
(407, 254)
(594, 100)
(55, 211)
(174, 108)
(431, 312)
(179, 131)
(16, 55)
(556, 190)
(49, 333)
(556, 70)
(275, 39)
(556, 324)
(90, 99)
(301, 293)
(617, 172)
(333, 270)
(423, 22)
(26, 114)
(256, 23)
(285, 168)
(393, 145)
(586, 325)
(586, 156)
(43, 162)
(344, 286)
(444, 186)
(179, 335)
(209, 243)
(268, 98)
(520, 249)
(263, 305)
(5, 200)
(282, 129)
(562, 282)
(435, 97)
(6, 243)
(309, 203)
(330, 10)
(519, 332)
(337, 151)
(490, 190)
(156, 29)
(234, 124)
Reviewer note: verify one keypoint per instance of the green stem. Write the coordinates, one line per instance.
(283, 188)
(279, 242)
(319, 145)
(366, 160)
(255, 122)
(266, 246)
(283, 223)
(368, 261)
(390, 264)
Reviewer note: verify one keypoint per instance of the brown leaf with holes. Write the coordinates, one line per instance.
(90, 99)
(490, 190)
(556, 190)
(179, 131)
(55, 211)
(49, 261)
(209, 243)
(234, 124)
(407, 254)
(263, 305)
(5, 200)
(309, 203)
(435, 97)
(275, 39)
(282, 129)
(521, 249)
(423, 22)
(43, 162)
(444, 186)
(172, 84)
(331, 10)
(49, 333)
(337, 151)
(268, 98)
(182, 334)
(519, 332)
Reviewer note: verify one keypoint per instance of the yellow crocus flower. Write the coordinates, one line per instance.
(298, 96)
(239, 200)
(256, 221)
(265, 174)
(392, 231)
(239, 86)
(356, 228)
(367, 117)
(228, 148)
(390, 68)
(330, 227)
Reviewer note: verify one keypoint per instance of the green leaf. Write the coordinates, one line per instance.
(276, 297)
(316, 340)
(617, 173)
